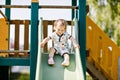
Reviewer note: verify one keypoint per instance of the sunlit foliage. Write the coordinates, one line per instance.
(106, 14)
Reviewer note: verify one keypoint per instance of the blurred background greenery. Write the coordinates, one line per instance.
(106, 14)
(25, 76)
(19, 76)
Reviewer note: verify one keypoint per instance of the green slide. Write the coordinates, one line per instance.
(57, 71)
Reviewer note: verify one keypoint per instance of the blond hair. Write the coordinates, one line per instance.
(61, 22)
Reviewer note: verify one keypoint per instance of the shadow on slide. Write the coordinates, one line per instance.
(57, 71)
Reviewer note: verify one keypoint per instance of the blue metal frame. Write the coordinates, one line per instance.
(14, 62)
(7, 10)
(74, 3)
(82, 32)
(34, 39)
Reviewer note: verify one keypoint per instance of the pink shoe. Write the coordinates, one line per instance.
(50, 61)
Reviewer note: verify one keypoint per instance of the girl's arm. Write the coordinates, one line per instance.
(76, 45)
(44, 41)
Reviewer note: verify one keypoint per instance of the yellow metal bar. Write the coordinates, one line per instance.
(35, 0)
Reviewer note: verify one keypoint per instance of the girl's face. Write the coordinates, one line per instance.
(60, 30)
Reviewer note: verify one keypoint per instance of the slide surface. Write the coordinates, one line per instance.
(57, 71)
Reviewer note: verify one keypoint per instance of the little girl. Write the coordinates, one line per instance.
(60, 39)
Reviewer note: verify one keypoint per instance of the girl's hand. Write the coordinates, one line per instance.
(76, 45)
(42, 44)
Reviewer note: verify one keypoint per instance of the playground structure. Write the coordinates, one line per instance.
(102, 56)
(30, 55)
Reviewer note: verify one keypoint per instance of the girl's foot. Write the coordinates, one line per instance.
(66, 60)
(65, 63)
(50, 61)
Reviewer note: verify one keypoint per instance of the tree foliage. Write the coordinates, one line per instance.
(106, 14)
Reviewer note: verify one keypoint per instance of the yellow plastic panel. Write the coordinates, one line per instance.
(103, 51)
(3, 36)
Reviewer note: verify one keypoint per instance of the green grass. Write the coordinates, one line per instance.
(19, 76)
(88, 77)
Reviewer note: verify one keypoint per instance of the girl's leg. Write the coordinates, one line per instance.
(66, 60)
(51, 55)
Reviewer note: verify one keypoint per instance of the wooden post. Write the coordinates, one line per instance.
(45, 29)
(26, 35)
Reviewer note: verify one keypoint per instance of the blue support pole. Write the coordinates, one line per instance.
(74, 3)
(82, 32)
(7, 10)
(34, 38)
